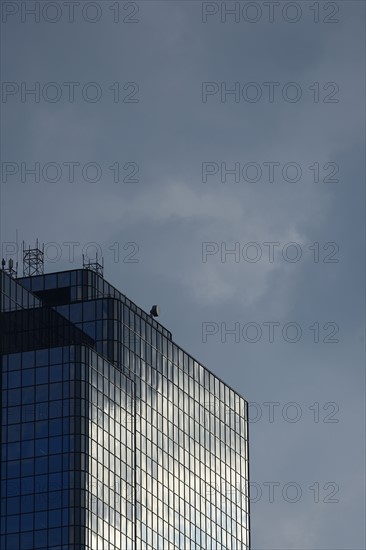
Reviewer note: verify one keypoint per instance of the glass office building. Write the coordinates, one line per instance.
(113, 437)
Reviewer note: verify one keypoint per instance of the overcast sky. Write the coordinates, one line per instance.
(294, 132)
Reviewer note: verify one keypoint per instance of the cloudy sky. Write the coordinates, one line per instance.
(167, 134)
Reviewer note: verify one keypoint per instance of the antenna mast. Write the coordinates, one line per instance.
(10, 270)
(33, 260)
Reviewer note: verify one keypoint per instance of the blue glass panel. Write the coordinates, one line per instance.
(90, 329)
(55, 391)
(27, 466)
(55, 445)
(13, 397)
(28, 395)
(14, 361)
(28, 359)
(27, 519)
(27, 430)
(55, 481)
(12, 542)
(105, 309)
(76, 313)
(41, 484)
(13, 451)
(26, 541)
(13, 505)
(42, 429)
(3, 488)
(28, 377)
(56, 373)
(54, 499)
(42, 375)
(68, 353)
(55, 518)
(41, 519)
(40, 502)
(64, 311)
(14, 469)
(41, 465)
(14, 433)
(40, 539)
(55, 409)
(65, 425)
(14, 379)
(65, 461)
(28, 412)
(56, 426)
(41, 447)
(99, 330)
(89, 310)
(12, 488)
(55, 464)
(54, 537)
(50, 281)
(42, 357)
(27, 449)
(55, 356)
(65, 404)
(27, 485)
(42, 393)
(63, 279)
(37, 282)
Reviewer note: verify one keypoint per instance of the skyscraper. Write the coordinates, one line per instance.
(113, 437)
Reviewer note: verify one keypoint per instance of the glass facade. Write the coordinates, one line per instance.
(113, 437)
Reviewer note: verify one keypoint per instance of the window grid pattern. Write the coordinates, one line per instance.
(38, 450)
(191, 457)
(110, 460)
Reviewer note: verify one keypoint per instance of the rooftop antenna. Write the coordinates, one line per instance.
(33, 260)
(94, 265)
(10, 270)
